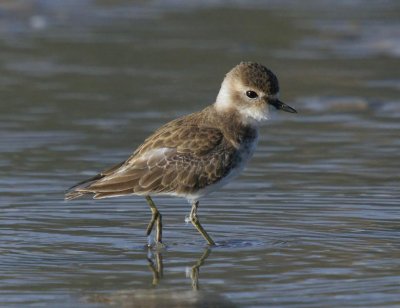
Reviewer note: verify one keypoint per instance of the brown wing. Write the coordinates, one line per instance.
(179, 159)
(193, 138)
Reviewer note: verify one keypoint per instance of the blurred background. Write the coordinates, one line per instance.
(313, 221)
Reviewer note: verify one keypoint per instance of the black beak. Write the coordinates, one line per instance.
(281, 106)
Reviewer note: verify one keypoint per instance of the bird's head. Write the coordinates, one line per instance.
(248, 89)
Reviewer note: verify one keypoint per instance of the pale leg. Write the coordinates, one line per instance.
(155, 217)
(196, 222)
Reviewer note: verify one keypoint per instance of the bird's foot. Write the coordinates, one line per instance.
(152, 244)
(187, 219)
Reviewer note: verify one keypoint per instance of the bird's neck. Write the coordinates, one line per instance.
(234, 129)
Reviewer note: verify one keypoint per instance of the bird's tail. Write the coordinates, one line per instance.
(78, 190)
(71, 195)
(83, 188)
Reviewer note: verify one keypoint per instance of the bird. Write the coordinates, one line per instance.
(195, 154)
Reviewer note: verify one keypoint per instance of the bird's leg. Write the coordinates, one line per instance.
(155, 217)
(159, 229)
(196, 222)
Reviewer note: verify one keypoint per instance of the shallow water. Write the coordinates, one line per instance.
(313, 221)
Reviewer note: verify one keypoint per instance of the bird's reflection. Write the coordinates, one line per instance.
(165, 296)
(156, 266)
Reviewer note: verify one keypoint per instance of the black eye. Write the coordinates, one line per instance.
(251, 94)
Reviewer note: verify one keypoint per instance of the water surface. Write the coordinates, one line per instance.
(313, 221)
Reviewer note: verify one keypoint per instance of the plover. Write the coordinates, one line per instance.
(196, 154)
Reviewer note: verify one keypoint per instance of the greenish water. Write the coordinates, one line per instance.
(312, 222)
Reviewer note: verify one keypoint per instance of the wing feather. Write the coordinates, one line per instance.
(179, 159)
